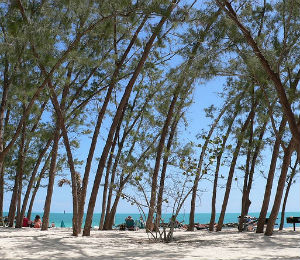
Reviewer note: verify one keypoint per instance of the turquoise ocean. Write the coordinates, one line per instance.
(202, 218)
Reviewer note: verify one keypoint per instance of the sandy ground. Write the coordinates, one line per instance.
(58, 243)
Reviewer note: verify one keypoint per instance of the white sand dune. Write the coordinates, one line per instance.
(59, 244)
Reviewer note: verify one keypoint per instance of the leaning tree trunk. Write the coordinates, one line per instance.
(253, 164)
(280, 187)
(246, 176)
(199, 167)
(99, 122)
(291, 178)
(52, 170)
(32, 178)
(106, 206)
(246, 193)
(160, 148)
(105, 188)
(111, 188)
(164, 168)
(219, 157)
(126, 95)
(18, 180)
(269, 184)
(232, 168)
(1, 189)
(36, 186)
(114, 168)
(110, 212)
(3, 105)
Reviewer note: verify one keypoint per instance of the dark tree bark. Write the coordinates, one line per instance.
(286, 195)
(3, 106)
(269, 184)
(280, 187)
(165, 165)
(111, 187)
(160, 148)
(109, 221)
(106, 182)
(32, 178)
(52, 171)
(128, 128)
(216, 177)
(36, 186)
(232, 168)
(62, 126)
(248, 181)
(18, 182)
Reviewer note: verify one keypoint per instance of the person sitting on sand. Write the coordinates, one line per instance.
(37, 222)
(140, 223)
(25, 222)
(129, 222)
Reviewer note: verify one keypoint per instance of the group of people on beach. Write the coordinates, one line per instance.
(36, 223)
(131, 224)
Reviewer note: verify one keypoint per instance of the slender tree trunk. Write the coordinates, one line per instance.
(246, 176)
(52, 171)
(63, 128)
(291, 178)
(18, 183)
(3, 106)
(246, 192)
(36, 186)
(111, 188)
(112, 183)
(164, 167)
(112, 213)
(13, 202)
(269, 184)
(1, 189)
(32, 178)
(219, 157)
(110, 218)
(199, 167)
(104, 196)
(99, 123)
(280, 187)
(123, 102)
(232, 168)
(18, 216)
(160, 148)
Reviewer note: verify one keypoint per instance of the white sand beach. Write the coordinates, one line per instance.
(58, 243)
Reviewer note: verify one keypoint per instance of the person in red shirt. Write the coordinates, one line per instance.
(25, 222)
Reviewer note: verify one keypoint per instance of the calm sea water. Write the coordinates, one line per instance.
(202, 218)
